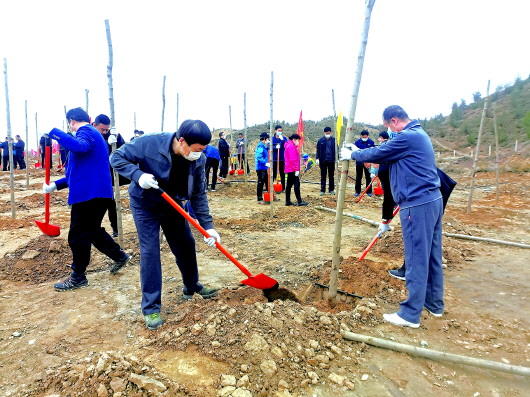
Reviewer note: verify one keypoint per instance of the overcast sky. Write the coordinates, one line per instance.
(421, 54)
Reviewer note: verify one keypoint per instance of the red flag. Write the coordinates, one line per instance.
(300, 130)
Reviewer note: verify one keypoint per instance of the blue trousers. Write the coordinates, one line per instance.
(148, 221)
(422, 238)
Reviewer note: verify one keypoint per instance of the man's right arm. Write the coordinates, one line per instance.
(125, 160)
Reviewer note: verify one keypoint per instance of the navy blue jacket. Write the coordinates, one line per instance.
(152, 155)
(364, 145)
(87, 174)
(211, 151)
(281, 141)
(5, 148)
(19, 147)
(326, 150)
(224, 148)
(413, 173)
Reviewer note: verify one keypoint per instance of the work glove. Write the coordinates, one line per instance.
(214, 236)
(384, 226)
(267, 165)
(347, 151)
(318, 162)
(372, 176)
(296, 173)
(112, 139)
(52, 187)
(278, 146)
(148, 181)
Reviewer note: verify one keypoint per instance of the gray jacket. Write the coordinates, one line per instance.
(151, 154)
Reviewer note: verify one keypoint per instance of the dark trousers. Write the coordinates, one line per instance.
(113, 215)
(282, 172)
(359, 170)
(43, 157)
(63, 154)
(241, 160)
(86, 230)
(5, 163)
(148, 222)
(292, 180)
(388, 200)
(263, 181)
(327, 169)
(211, 164)
(224, 167)
(19, 161)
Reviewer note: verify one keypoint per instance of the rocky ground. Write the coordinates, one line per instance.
(93, 341)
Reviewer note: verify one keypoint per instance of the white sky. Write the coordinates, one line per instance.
(421, 54)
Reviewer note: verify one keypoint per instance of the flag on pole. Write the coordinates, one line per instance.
(300, 130)
(338, 128)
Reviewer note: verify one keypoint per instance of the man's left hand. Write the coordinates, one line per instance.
(214, 236)
(112, 139)
(346, 152)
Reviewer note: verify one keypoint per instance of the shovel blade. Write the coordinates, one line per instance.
(48, 229)
(260, 281)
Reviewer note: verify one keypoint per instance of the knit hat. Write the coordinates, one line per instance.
(305, 156)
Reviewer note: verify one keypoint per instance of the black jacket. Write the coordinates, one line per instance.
(326, 150)
(224, 148)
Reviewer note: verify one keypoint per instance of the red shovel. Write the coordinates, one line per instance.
(259, 281)
(46, 227)
(374, 240)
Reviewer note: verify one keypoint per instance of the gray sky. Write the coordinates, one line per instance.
(421, 54)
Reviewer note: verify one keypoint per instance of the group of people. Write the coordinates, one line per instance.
(18, 153)
(174, 163)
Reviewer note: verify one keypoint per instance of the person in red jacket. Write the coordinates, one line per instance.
(292, 169)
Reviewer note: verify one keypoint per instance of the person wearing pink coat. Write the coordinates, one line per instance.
(292, 170)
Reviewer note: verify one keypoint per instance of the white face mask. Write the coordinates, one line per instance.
(364, 139)
(279, 133)
(328, 136)
(267, 142)
(193, 156)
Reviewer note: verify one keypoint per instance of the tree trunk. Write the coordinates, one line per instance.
(333, 102)
(177, 111)
(270, 190)
(26, 157)
(86, 99)
(345, 164)
(245, 165)
(475, 160)
(109, 73)
(10, 145)
(163, 102)
(496, 156)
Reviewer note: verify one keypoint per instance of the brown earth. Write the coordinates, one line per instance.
(92, 341)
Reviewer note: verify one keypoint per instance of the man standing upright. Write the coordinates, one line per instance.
(90, 190)
(5, 155)
(278, 155)
(360, 168)
(240, 144)
(18, 155)
(102, 124)
(416, 189)
(224, 152)
(325, 157)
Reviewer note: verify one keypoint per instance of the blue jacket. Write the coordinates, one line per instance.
(152, 155)
(413, 174)
(211, 151)
(18, 147)
(281, 141)
(87, 175)
(364, 145)
(5, 148)
(261, 156)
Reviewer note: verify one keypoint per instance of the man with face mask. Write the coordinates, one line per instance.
(363, 143)
(175, 163)
(326, 152)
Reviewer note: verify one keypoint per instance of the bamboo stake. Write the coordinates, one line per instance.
(359, 218)
(26, 157)
(497, 190)
(488, 240)
(345, 164)
(135, 120)
(86, 98)
(37, 138)
(117, 194)
(163, 102)
(475, 160)
(245, 146)
(333, 102)
(437, 355)
(269, 176)
(177, 111)
(10, 145)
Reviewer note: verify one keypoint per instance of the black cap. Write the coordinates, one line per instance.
(263, 135)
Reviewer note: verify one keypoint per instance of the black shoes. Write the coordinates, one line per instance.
(119, 264)
(398, 273)
(70, 283)
(114, 233)
(302, 203)
(205, 293)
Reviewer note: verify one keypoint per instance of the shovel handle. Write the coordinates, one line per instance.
(367, 187)
(47, 180)
(376, 237)
(181, 211)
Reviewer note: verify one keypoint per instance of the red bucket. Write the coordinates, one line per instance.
(232, 172)
(378, 191)
(267, 197)
(240, 172)
(277, 187)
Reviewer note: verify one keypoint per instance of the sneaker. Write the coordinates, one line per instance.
(398, 273)
(332, 192)
(356, 195)
(213, 190)
(431, 312)
(69, 284)
(262, 202)
(119, 264)
(369, 194)
(302, 203)
(115, 233)
(396, 320)
(205, 292)
(276, 198)
(288, 203)
(322, 193)
(153, 320)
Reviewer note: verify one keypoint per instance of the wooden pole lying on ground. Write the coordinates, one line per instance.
(163, 102)
(117, 194)
(25, 154)
(359, 218)
(437, 355)
(270, 190)
(475, 160)
(10, 145)
(333, 282)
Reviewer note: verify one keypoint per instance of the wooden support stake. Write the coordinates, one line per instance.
(10, 145)
(163, 102)
(245, 146)
(270, 190)
(26, 151)
(497, 190)
(177, 111)
(333, 282)
(437, 355)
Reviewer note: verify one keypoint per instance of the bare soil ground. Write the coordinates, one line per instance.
(93, 341)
